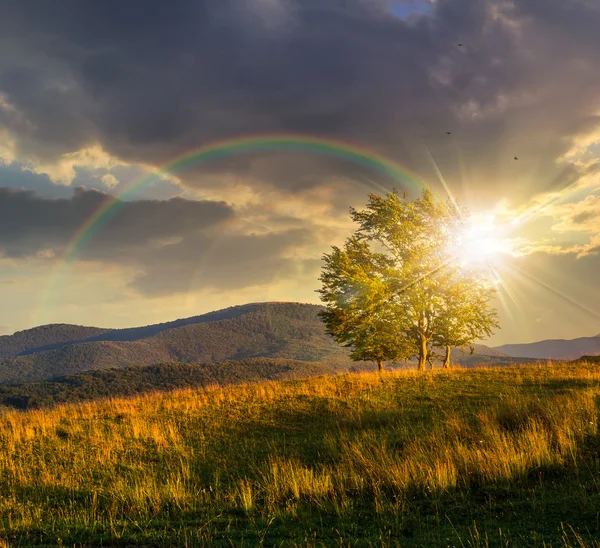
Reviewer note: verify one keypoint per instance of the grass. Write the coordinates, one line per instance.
(467, 458)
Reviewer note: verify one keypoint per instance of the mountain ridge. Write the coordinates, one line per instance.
(284, 330)
(555, 349)
(275, 330)
(123, 334)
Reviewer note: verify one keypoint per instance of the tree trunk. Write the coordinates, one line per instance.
(447, 359)
(380, 365)
(422, 353)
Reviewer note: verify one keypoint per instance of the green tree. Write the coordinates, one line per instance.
(395, 289)
(354, 291)
(466, 314)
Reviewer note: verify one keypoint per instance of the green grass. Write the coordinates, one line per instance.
(484, 457)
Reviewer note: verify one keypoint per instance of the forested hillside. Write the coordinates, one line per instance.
(291, 331)
(276, 330)
(130, 381)
(45, 336)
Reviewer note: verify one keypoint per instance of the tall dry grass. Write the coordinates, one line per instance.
(327, 446)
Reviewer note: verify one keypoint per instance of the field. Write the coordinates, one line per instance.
(465, 457)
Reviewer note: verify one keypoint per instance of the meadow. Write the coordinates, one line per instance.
(466, 457)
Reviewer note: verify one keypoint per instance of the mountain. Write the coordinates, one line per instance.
(291, 331)
(276, 330)
(56, 336)
(45, 336)
(556, 349)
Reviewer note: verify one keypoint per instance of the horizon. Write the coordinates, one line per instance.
(145, 179)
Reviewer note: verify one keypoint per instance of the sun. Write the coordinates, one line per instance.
(482, 242)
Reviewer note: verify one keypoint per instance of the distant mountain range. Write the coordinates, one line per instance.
(555, 349)
(287, 331)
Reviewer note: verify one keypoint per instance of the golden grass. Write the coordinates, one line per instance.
(276, 448)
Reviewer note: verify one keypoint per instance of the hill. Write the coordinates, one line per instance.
(130, 381)
(588, 359)
(290, 331)
(471, 457)
(555, 349)
(134, 380)
(45, 336)
(275, 330)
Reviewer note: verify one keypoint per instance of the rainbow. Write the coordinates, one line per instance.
(285, 142)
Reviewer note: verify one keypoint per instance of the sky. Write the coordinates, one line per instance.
(97, 99)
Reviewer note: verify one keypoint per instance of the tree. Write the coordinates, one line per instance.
(466, 315)
(354, 292)
(395, 289)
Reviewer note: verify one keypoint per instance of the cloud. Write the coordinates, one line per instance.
(582, 216)
(343, 69)
(174, 246)
(109, 180)
(64, 169)
(222, 262)
(576, 223)
(13, 281)
(31, 225)
(95, 91)
(17, 176)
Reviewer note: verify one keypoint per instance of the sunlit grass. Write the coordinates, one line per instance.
(442, 458)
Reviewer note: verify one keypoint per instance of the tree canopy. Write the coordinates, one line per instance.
(397, 289)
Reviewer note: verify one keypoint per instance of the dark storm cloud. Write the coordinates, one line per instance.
(149, 80)
(174, 245)
(30, 224)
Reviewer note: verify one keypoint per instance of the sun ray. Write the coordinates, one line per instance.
(442, 180)
(557, 292)
(504, 285)
(497, 279)
(534, 211)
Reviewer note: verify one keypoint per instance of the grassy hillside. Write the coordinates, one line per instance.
(476, 457)
(129, 381)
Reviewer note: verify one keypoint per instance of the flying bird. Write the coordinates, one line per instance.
(448, 133)
(516, 158)
(459, 45)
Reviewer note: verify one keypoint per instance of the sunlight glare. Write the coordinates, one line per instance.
(482, 242)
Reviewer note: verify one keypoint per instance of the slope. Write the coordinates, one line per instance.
(45, 336)
(495, 457)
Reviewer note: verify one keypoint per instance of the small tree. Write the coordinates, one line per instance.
(387, 292)
(466, 315)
